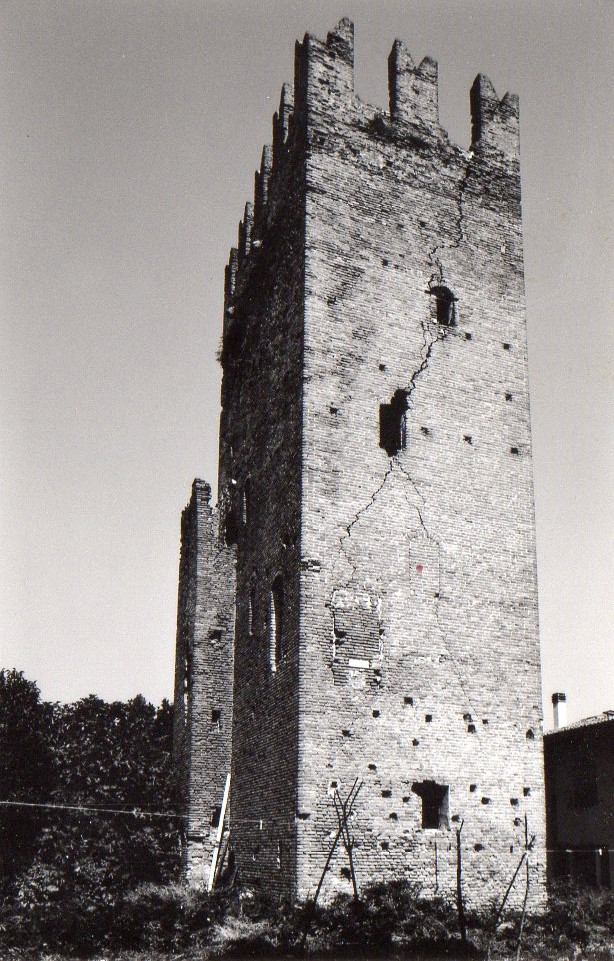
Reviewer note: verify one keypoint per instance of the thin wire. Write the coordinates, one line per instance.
(264, 821)
(95, 810)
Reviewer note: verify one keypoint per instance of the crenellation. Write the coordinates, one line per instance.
(245, 232)
(413, 91)
(231, 272)
(494, 123)
(261, 187)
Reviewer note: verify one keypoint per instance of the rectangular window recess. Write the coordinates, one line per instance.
(359, 662)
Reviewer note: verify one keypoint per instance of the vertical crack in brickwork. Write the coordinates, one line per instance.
(437, 271)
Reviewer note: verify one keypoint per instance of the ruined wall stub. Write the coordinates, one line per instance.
(375, 473)
(203, 677)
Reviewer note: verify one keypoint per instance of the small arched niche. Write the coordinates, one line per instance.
(444, 301)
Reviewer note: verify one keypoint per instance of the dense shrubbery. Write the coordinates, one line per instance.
(391, 920)
(63, 871)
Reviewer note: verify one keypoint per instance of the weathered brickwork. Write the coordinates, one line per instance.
(375, 476)
(203, 675)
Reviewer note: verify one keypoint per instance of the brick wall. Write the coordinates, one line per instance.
(378, 281)
(259, 473)
(422, 563)
(203, 676)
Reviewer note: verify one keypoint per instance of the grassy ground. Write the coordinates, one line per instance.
(391, 921)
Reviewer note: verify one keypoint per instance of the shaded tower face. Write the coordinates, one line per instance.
(375, 477)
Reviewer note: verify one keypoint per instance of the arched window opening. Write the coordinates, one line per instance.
(245, 502)
(230, 527)
(276, 626)
(393, 423)
(250, 613)
(444, 306)
(187, 682)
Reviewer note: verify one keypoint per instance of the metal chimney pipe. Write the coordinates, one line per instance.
(559, 703)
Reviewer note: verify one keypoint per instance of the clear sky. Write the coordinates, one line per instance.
(130, 133)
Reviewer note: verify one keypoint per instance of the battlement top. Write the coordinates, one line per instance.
(324, 86)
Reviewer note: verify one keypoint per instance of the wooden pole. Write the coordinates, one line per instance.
(220, 831)
(459, 886)
(348, 842)
(526, 890)
(312, 906)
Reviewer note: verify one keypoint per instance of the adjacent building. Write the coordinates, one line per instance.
(579, 767)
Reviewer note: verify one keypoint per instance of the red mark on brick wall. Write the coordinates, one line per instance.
(419, 568)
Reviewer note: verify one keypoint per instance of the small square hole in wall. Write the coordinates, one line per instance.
(426, 431)
(471, 728)
(216, 814)
(428, 718)
(408, 700)
(514, 802)
(387, 793)
(507, 347)
(526, 791)
(485, 800)
(473, 788)
(435, 803)
(375, 713)
(216, 719)
(384, 845)
(372, 767)
(415, 742)
(468, 438)
(468, 336)
(514, 450)
(508, 397)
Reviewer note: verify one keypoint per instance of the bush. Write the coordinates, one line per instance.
(390, 920)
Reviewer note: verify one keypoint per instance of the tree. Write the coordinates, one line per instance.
(27, 770)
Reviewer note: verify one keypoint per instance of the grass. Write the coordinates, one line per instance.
(174, 923)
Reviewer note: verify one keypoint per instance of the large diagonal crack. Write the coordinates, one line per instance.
(429, 340)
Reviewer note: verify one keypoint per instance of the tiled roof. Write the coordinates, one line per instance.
(602, 718)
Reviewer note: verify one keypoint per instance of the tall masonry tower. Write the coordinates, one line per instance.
(363, 603)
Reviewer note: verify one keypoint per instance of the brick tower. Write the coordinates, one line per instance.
(372, 569)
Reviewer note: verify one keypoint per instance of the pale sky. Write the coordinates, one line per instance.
(130, 133)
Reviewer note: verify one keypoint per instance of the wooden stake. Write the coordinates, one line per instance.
(459, 886)
(526, 890)
(354, 791)
(348, 842)
(220, 831)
